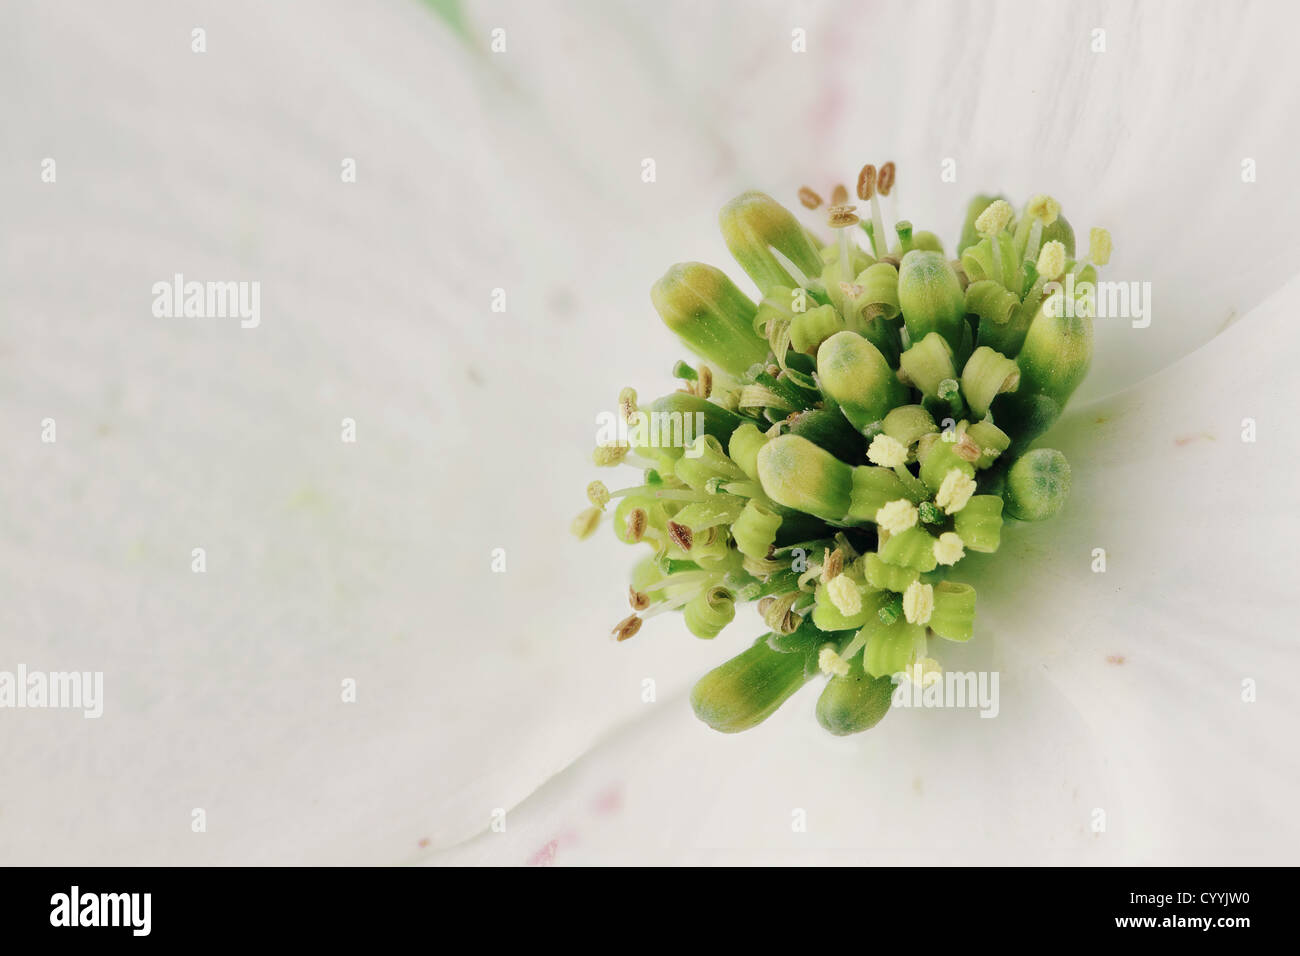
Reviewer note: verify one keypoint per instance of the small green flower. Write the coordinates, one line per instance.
(853, 436)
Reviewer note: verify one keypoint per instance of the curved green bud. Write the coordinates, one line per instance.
(872, 310)
(888, 577)
(854, 374)
(827, 617)
(993, 441)
(941, 458)
(969, 234)
(706, 461)
(979, 524)
(743, 448)
(986, 376)
(1053, 361)
(717, 421)
(810, 329)
(753, 222)
(1037, 485)
(907, 423)
(913, 548)
(712, 317)
(995, 308)
(798, 474)
(953, 616)
(831, 430)
(873, 487)
(927, 241)
(928, 363)
(855, 702)
(746, 690)
(890, 647)
(709, 612)
(979, 263)
(755, 530)
(931, 297)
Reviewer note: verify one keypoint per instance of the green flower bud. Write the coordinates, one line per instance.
(827, 617)
(831, 430)
(994, 308)
(712, 317)
(872, 310)
(907, 423)
(753, 222)
(1061, 231)
(890, 647)
(979, 524)
(1053, 361)
(1037, 485)
(857, 377)
(927, 242)
(913, 548)
(873, 487)
(798, 474)
(941, 458)
(953, 616)
(709, 612)
(749, 688)
(810, 329)
(743, 448)
(755, 530)
(993, 441)
(969, 234)
(718, 421)
(888, 577)
(987, 375)
(855, 702)
(706, 461)
(981, 264)
(931, 297)
(928, 363)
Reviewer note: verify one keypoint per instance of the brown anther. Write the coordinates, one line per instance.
(962, 278)
(841, 216)
(680, 535)
(892, 260)
(809, 198)
(773, 370)
(627, 628)
(639, 600)
(867, 182)
(637, 520)
(885, 181)
(765, 605)
(704, 384)
(627, 404)
(833, 565)
(839, 195)
(966, 448)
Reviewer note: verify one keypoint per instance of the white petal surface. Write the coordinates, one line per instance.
(1122, 692)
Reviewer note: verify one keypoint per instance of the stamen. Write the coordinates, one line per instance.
(948, 549)
(869, 184)
(831, 664)
(839, 195)
(598, 494)
(844, 595)
(586, 522)
(989, 224)
(639, 600)
(897, 516)
(680, 535)
(1099, 247)
(627, 628)
(627, 404)
(637, 520)
(918, 603)
(887, 452)
(954, 491)
(704, 385)
(607, 456)
(840, 217)
(833, 565)
(809, 198)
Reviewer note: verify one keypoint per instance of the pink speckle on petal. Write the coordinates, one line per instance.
(611, 801)
(545, 856)
(423, 843)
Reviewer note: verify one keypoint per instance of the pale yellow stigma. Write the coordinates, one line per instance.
(585, 523)
(1043, 208)
(955, 491)
(1099, 246)
(924, 671)
(897, 516)
(1051, 260)
(994, 218)
(844, 595)
(918, 603)
(887, 452)
(831, 664)
(607, 456)
(948, 549)
(598, 494)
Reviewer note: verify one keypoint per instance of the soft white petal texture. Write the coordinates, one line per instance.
(371, 561)
(1122, 691)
